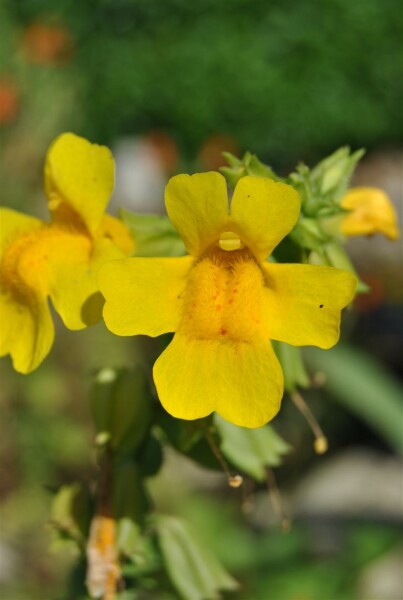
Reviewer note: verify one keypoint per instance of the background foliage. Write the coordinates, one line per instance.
(289, 78)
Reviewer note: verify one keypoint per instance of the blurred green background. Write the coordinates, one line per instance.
(169, 84)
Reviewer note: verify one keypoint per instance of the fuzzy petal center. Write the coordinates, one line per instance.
(224, 298)
(25, 263)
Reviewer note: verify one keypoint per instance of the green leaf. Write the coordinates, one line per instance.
(154, 235)
(71, 511)
(189, 438)
(127, 537)
(251, 450)
(150, 456)
(130, 505)
(195, 573)
(121, 406)
(363, 386)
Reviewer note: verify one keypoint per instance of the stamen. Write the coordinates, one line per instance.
(230, 241)
(234, 481)
(320, 444)
(276, 500)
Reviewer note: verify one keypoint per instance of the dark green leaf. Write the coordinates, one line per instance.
(121, 405)
(130, 505)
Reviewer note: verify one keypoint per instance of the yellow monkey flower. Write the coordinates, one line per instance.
(59, 259)
(224, 301)
(371, 211)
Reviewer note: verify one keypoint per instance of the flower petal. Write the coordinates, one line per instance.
(242, 382)
(79, 178)
(372, 211)
(115, 230)
(143, 295)
(263, 212)
(197, 206)
(26, 331)
(14, 224)
(303, 303)
(74, 279)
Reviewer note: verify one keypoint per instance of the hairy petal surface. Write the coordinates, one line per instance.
(243, 382)
(144, 295)
(304, 302)
(197, 206)
(263, 212)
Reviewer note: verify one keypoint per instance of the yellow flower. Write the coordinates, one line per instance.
(59, 259)
(224, 301)
(371, 211)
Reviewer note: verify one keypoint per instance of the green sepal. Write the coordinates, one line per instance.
(192, 569)
(235, 171)
(233, 175)
(333, 254)
(251, 450)
(309, 234)
(292, 364)
(154, 235)
(256, 168)
(121, 408)
(248, 165)
(322, 187)
(232, 160)
(332, 174)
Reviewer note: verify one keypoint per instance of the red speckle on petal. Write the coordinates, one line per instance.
(223, 331)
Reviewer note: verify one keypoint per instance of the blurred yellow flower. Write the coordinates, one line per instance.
(371, 212)
(59, 259)
(224, 301)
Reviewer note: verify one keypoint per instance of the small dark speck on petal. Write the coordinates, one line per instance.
(320, 305)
